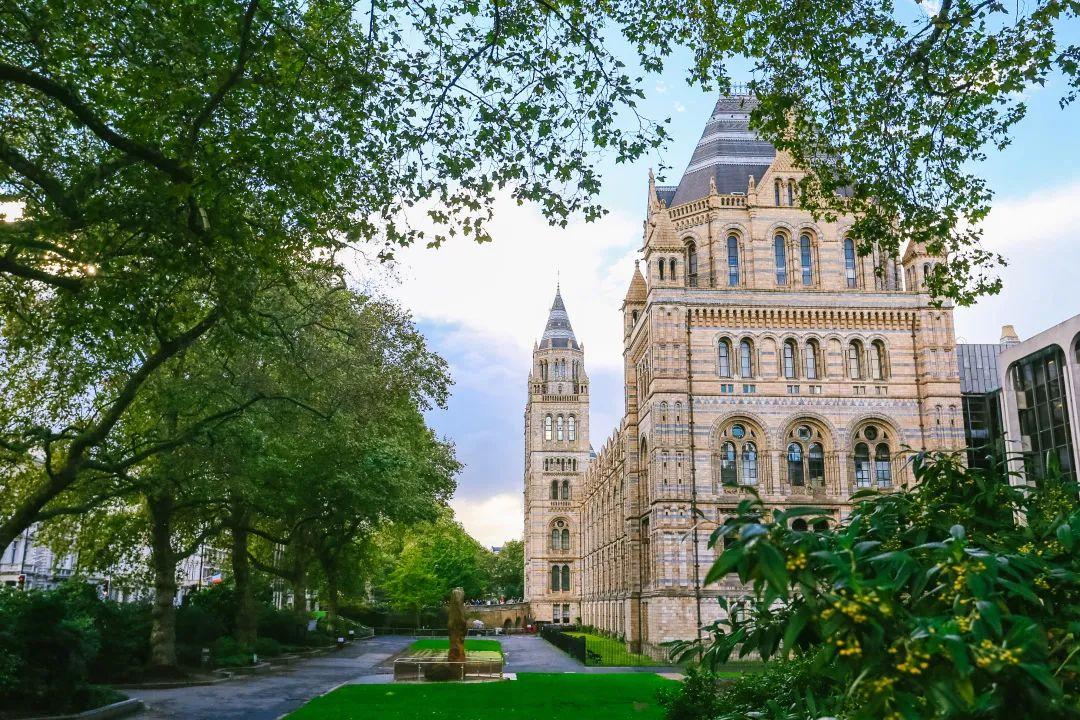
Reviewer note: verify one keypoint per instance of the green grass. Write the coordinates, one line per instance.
(611, 652)
(554, 696)
(473, 647)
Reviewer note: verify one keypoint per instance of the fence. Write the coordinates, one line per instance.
(573, 646)
(596, 649)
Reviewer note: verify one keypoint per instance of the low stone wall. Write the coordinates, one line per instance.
(510, 616)
(428, 669)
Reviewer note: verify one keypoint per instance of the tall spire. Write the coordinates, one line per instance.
(557, 332)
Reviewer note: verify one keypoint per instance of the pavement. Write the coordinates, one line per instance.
(268, 697)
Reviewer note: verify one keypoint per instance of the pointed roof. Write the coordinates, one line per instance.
(728, 153)
(638, 290)
(557, 332)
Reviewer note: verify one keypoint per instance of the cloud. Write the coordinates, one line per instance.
(661, 86)
(494, 297)
(679, 107)
(492, 520)
(1037, 235)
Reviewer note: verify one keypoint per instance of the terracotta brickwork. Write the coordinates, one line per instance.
(760, 351)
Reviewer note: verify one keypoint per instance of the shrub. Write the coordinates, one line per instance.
(694, 699)
(958, 598)
(124, 634)
(47, 640)
(281, 625)
(227, 652)
(266, 647)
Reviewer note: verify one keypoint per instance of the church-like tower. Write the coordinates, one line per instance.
(557, 453)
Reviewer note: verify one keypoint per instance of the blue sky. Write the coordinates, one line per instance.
(482, 306)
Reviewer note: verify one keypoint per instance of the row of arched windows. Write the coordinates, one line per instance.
(554, 428)
(560, 578)
(804, 456)
(794, 262)
(782, 190)
(806, 362)
(559, 369)
(556, 486)
(560, 464)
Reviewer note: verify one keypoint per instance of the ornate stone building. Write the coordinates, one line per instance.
(557, 452)
(760, 351)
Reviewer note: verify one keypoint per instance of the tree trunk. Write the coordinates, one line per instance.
(333, 593)
(163, 563)
(246, 620)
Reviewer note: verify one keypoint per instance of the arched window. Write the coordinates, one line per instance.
(633, 316)
(749, 464)
(777, 188)
(791, 192)
(555, 578)
(849, 262)
(571, 427)
(554, 489)
(727, 464)
(816, 465)
(547, 427)
(660, 265)
(723, 358)
(821, 525)
(556, 543)
(799, 525)
(854, 354)
(559, 428)
(565, 489)
(806, 260)
(565, 577)
(811, 360)
(671, 267)
(565, 539)
(746, 359)
(877, 360)
(882, 465)
(862, 465)
(780, 251)
(789, 359)
(926, 274)
(691, 265)
(733, 260)
(795, 465)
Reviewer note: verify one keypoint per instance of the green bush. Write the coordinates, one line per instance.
(124, 634)
(958, 598)
(281, 625)
(47, 640)
(227, 652)
(266, 647)
(695, 699)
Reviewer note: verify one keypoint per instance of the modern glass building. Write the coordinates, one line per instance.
(980, 391)
(1040, 381)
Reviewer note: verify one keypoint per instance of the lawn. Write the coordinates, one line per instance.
(611, 652)
(554, 696)
(475, 648)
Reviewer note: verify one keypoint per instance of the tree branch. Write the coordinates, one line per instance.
(74, 104)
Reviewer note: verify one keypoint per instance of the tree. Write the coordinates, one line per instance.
(435, 558)
(957, 598)
(508, 571)
(176, 159)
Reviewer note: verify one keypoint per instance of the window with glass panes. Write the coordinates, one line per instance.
(1039, 382)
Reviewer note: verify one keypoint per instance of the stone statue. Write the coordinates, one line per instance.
(456, 625)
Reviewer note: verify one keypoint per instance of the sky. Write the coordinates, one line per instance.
(483, 306)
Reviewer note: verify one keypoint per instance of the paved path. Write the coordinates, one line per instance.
(267, 697)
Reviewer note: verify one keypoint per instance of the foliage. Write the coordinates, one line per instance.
(508, 570)
(471, 645)
(953, 599)
(892, 105)
(694, 699)
(47, 642)
(431, 560)
(555, 696)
